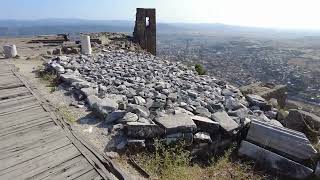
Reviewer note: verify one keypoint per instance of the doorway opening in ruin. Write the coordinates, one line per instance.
(147, 22)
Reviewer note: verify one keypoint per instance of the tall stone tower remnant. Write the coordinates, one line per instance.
(145, 29)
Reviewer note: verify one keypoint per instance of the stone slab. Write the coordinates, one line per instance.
(177, 123)
(274, 161)
(289, 143)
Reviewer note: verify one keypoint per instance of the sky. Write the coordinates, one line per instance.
(293, 14)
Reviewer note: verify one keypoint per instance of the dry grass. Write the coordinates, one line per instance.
(66, 114)
(174, 163)
(48, 77)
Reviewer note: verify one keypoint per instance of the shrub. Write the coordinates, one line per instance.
(47, 76)
(200, 69)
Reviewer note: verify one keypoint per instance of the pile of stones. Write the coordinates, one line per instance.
(150, 98)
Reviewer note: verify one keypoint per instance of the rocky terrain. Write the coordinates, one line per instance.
(138, 99)
(145, 98)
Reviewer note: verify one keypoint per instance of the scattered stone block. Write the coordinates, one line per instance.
(289, 143)
(305, 122)
(89, 91)
(225, 122)
(139, 110)
(205, 124)
(256, 100)
(129, 117)
(267, 91)
(115, 115)
(102, 106)
(142, 130)
(274, 161)
(187, 138)
(177, 123)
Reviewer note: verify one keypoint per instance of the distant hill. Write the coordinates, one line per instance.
(20, 28)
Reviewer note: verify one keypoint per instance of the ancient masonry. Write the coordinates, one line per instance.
(145, 29)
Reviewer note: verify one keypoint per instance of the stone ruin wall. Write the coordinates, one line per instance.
(145, 29)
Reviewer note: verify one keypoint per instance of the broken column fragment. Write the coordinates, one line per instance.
(289, 143)
(86, 45)
(274, 161)
(10, 51)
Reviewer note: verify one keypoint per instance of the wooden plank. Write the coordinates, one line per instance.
(91, 175)
(10, 93)
(22, 147)
(11, 160)
(7, 121)
(11, 85)
(288, 143)
(40, 164)
(17, 145)
(21, 113)
(30, 134)
(21, 109)
(16, 99)
(21, 126)
(17, 104)
(68, 170)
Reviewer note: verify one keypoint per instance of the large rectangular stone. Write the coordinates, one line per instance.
(142, 130)
(225, 121)
(273, 161)
(289, 143)
(205, 124)
(178, 123)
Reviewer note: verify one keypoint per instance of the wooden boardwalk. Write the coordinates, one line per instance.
(33, 143)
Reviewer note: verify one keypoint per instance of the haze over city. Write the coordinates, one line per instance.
(288, 14)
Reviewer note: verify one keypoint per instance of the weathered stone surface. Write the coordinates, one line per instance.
(89, 91)
(102, 106)
(139, 110)
(114, 116)
(139, 100)
(202, 137)
(205, 124)
(317, 170)
(203, 112)
(267, 91)
(177, 123)
(129, 117)
(305, 122)
(274, 161)
(256, 100)
(225, 121)
(187, 138)
(142, 130)
(288, 143)
(136, 144)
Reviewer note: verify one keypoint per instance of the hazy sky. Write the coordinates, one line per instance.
(303, 14)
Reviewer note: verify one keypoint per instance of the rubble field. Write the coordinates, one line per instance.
(144, 99)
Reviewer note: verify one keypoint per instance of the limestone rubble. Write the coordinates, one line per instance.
(156, 98)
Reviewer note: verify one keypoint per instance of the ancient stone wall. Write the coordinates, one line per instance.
(145, 29)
